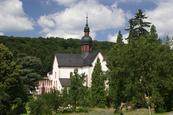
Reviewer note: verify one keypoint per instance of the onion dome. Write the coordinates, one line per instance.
(86, 39)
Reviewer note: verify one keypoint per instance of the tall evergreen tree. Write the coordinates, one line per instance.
(119, 38)
(98, 86)
(153, 32)
(137, 25)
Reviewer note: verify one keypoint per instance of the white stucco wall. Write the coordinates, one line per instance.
(54, 76)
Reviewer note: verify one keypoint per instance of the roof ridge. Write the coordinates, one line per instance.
(75, 60)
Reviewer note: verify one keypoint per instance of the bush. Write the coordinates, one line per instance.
(81, 109)
(45, 104)
(68, 109)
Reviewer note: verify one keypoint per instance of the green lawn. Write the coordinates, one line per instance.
(97, 111)
(144, 112)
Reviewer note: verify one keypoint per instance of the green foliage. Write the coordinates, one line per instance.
(137, 70)
(77, 89)
(54, 103)
(138, 26)
(98, 86)
(30, 71)
(12, 94)
(153, 32)
(46, 104)
(119, 38)
(117, 75)
(138, 74)
(66, 97)
(46, 48)
(31, 55)
(81, 109)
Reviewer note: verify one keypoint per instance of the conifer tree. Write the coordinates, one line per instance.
(119, 38)
(153, 32)
(137, 25)
(98, 86)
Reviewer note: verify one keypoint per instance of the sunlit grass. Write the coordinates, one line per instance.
(98, 111)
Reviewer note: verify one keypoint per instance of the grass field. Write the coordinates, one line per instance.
(97, 111)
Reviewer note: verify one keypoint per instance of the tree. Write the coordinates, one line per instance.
(164, 85)
(98, 86)
(12, 94)
(119, 38)
(76, 89)
(153, 32)
(138, 75)
(46, 104)
(65, 95)
(30, 70)
(45, 49)
(167, 40)
(117, 75)
(137, 25)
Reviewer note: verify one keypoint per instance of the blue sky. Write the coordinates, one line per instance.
(66, 18)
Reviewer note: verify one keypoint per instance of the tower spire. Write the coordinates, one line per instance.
(87, 29)
(87, 20)
(86, 40)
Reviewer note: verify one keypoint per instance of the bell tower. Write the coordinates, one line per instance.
(86, 40)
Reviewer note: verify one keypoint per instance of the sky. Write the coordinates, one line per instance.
(66, 18)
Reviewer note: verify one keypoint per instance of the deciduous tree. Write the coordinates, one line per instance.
(76, 89)
(12, 94)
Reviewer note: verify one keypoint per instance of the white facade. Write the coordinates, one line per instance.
(64, 72)
(64, 64)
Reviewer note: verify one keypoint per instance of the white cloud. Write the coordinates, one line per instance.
(66, 2)
(113, 38)
(136, 1)
(71, 21)
(12, 17)
(1, 33)
(162, 17)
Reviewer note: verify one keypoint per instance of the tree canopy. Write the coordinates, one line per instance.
(138, 26)
(119, 38)
(137, 70)
(46, 48)
(12, 93)
(77, 88)
(98, 86)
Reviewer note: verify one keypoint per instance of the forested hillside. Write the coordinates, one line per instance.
(46, 48)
